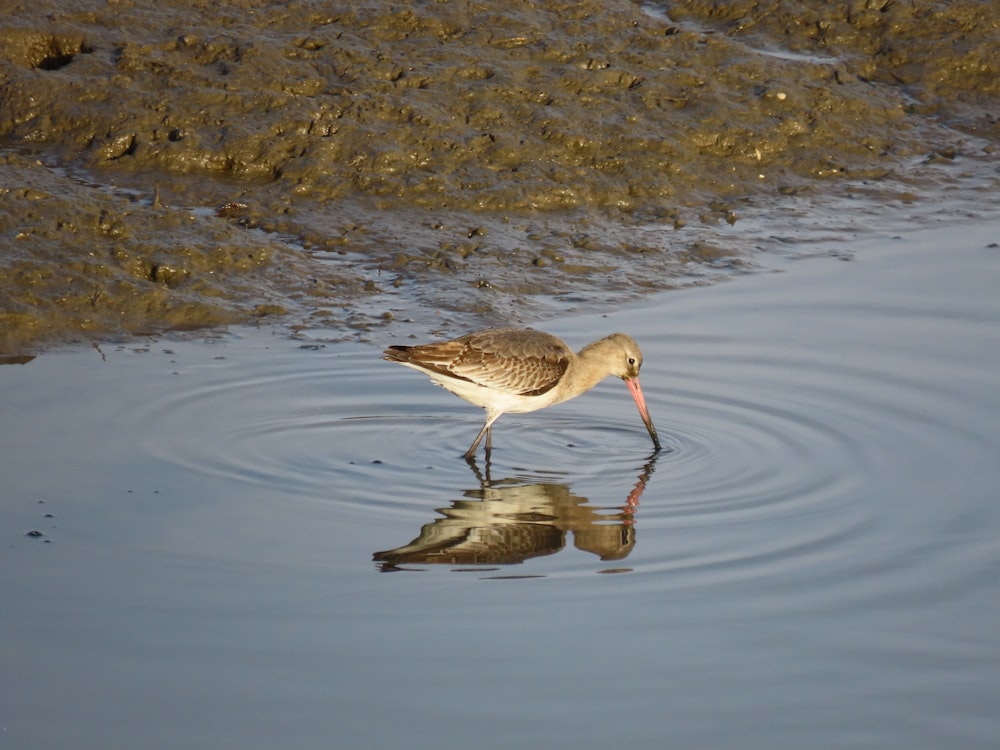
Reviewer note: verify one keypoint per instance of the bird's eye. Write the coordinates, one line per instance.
(631, 361)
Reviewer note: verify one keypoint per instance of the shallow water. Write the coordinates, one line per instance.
(810, 562)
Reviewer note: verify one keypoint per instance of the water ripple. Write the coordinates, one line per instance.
(351, 430)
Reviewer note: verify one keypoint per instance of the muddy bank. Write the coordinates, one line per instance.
(339, 152)
(75, 265)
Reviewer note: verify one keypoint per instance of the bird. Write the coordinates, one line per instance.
(520, 370)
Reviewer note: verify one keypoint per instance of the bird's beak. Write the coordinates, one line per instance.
(636, 391)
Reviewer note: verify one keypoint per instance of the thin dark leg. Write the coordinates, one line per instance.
(475, 443)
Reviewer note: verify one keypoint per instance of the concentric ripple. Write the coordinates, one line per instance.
(351, 430)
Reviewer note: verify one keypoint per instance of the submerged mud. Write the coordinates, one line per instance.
(190, 164)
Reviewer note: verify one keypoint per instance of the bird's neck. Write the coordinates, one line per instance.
(590, 366)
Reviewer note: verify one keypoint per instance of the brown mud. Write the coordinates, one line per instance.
(176, 165)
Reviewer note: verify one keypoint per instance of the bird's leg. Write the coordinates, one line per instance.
(489, 445)
(475, 443)
(487, 430)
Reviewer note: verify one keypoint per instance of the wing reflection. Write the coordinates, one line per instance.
(509, 521)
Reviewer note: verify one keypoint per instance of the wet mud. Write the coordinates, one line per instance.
(177, 165)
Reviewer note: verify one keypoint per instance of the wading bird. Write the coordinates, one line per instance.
(520, 370)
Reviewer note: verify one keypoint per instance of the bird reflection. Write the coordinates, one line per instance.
(508, 521)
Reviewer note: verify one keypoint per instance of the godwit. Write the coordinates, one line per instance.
(520, 370)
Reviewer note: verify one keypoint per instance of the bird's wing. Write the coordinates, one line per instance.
(511, 360)
(518, 361)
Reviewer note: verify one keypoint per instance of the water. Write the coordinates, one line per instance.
(810, 562)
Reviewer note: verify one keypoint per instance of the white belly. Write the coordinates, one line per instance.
(492, 400)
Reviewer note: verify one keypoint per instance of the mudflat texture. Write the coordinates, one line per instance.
(186, 164)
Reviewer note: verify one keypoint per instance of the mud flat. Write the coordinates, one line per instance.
(171, 166)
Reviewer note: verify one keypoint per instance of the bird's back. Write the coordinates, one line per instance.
(516, 361)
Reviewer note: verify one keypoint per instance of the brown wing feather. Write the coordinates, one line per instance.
(513, 360)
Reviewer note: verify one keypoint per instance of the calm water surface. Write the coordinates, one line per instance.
(250, 544)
